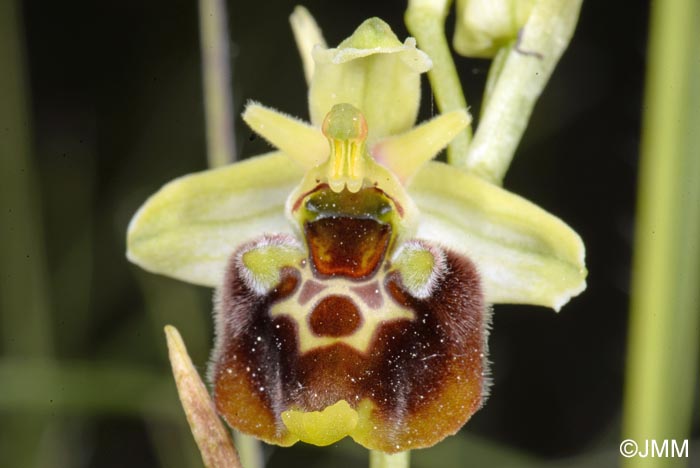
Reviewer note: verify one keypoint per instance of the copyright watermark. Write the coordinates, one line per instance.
(652, 448)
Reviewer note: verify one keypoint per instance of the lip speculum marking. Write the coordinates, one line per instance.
(352, 325)
(352, 300)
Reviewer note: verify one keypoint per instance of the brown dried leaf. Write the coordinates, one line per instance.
(213, 439)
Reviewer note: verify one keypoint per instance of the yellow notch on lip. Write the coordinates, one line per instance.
(346, 130)
(322, 427)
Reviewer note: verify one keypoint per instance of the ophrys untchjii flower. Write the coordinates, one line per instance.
(353, 274)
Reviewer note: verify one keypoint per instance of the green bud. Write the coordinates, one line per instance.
(484, 26)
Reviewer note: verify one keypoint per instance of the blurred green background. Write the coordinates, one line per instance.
(101, 104)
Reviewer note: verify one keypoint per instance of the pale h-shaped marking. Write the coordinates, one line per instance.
(372, 317)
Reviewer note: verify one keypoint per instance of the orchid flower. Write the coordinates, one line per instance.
(353, 274)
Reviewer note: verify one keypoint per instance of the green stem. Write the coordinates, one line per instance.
(499, 60)
(220, 135)
(25, 309)
(664, 310)
(249, 450)
(379, 459)
(425, 20)
(24, 302)
(221, 148)
(516, 81)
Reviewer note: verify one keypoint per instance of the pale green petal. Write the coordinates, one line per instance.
(190, 227)
(484, 26)
(307, 34)
(300, 141)
(405, 154)
(373, 71)
(524, 254)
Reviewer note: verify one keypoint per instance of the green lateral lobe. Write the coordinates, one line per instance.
(524, 254)
(191, 226)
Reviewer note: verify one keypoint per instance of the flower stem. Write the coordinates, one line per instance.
(221, 148)
(664, 310)
(425, 20)
(25, 318)
(25, 308)
(249, 450)
(379, 459)
(516, 80)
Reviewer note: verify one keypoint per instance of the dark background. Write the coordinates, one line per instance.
(116, 106)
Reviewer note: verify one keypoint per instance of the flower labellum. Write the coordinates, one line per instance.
(349, 333)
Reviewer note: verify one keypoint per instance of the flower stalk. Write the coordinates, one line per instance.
(379, 459)
(26, 313)
(664, 312)
(518, 76)
(221, 143)
(216, 71)
(425, 19)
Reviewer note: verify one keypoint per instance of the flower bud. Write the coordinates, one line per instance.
(484, 26)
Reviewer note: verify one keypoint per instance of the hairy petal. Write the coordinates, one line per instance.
(190, 227)
(524, 254)
(405, 154)
(302, 142)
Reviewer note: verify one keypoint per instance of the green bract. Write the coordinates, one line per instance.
(190, 228)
